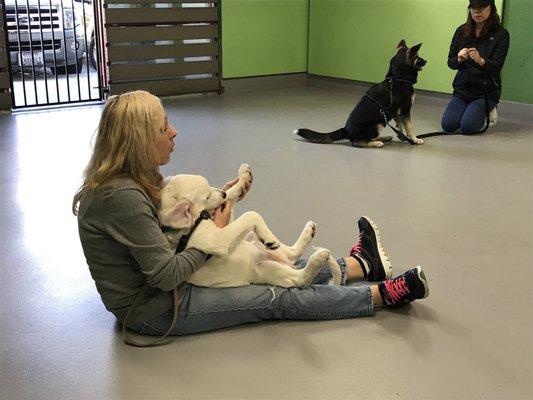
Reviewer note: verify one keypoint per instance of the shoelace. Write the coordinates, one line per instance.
(396, 288)
(357, 248)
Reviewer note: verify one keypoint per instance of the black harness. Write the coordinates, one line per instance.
(185, 238)
(405, 138)
(383, 110)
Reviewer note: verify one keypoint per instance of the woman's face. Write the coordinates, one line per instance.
(480, 14)
(165, 143)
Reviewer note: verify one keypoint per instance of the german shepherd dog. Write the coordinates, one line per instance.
(390, 99)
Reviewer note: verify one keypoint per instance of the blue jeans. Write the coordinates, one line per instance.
(467, 115)
(207, 309)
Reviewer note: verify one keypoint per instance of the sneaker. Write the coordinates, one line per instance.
(409, 286)
(370, 253)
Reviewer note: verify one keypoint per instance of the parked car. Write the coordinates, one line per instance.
(46, 33)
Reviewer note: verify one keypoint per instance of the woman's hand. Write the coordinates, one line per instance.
(463, 55)
(245, 189)
(474, 55)
(222, 215)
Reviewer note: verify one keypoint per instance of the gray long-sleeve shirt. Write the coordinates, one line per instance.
(125, 248)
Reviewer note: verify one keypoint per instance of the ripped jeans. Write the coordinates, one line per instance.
(206, 309)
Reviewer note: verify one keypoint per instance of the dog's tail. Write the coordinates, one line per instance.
(320, 137)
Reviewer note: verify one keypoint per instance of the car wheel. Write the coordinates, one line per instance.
(92, 52)
(71, 69)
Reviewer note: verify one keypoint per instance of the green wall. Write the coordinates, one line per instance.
(355, 39)
(264, 37)
(517, 79)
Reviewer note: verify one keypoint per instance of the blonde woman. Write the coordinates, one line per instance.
(136, 272)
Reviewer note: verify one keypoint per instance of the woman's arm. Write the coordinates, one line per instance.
(494, 63)
(455, 47)
(131, 220)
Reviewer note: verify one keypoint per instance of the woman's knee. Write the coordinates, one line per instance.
(471, 126)
(449, 124)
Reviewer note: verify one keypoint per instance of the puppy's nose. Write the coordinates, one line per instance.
(421, 62)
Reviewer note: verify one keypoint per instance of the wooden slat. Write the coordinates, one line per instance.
(134, 53)
(132, 16)
(5, 101)
(3, 58)
(157, 1)
(2, 37)
(4, 80)
(148, 33)
(146, 71)
(169, 88)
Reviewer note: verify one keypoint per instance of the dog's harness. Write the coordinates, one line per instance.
(383, 110)
(147, 343)
(185, 238)
(405, 138)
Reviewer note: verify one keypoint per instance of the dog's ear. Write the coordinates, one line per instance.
(401, 45)
(414, 49)
(182, 215)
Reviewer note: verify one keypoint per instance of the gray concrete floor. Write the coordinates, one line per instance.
(460, 206)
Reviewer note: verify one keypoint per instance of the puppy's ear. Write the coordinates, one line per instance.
(414, 49)
(182, 215)
(401, 45)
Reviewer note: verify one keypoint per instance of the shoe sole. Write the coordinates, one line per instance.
(422, 277)
(384, 258)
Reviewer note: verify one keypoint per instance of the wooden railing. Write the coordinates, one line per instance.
(167, 49)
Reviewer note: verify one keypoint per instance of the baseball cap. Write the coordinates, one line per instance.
(480, 3)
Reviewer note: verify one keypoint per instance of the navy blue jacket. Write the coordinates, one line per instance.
(470, 77)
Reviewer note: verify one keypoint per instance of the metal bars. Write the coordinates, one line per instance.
(47, 50)
(5, 84)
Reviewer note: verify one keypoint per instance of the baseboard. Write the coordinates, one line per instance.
(508, 110)
(253, 83)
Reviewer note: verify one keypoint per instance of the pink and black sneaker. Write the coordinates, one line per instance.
(410, 286)
(370, 253)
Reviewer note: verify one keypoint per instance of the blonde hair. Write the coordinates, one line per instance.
(126, 144)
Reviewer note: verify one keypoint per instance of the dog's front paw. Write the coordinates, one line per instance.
(417, 140)
(310, 230)
(245, 173)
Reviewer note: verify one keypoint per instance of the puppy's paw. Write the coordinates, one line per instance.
(271, 245)
(371, 144)
(417, 140)
(245, 173)
(310, 230)
(320, 256)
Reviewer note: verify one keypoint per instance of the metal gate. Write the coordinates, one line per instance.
(48, 43)
(167, 47)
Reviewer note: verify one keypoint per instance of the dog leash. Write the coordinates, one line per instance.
(126, 337)
(487, 113)
(406, 138)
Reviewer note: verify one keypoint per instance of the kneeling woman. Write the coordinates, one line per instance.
(478, 52)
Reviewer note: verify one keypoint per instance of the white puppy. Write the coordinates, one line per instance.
(245, 251)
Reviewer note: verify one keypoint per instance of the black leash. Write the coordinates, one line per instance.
(487, 123)
(405, 138)
(145, 342)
